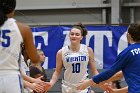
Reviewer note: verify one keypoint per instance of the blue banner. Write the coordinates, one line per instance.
(106, 41)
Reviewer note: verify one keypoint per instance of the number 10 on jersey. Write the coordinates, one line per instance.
(76, 68)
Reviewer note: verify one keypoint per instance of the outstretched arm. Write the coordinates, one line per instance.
(34, 86)
(30, 79)
(58, 69)
(92, 62)
(117, 76)
(120, 62)
(122, 90)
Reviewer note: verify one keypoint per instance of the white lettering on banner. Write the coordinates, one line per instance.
(122, 43)
(44, 36)
(67, 40)
(98, 44)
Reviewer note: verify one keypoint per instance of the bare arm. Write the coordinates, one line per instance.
(59, 64)
(92, 62)
(122, 90)
(90, 82)
(30, 79)
(28, 42)
(34, 86)
(117, 76)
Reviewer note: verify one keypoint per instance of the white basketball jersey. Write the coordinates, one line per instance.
(10, 40)
(75, 64)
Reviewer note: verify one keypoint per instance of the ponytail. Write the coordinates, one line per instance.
(3, 17)
(6, 7)
(82, 28)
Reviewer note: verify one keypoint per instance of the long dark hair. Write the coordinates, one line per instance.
(6, 7)
(82, 28)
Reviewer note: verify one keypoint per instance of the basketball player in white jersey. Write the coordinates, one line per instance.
(12, 34)
(74, 58)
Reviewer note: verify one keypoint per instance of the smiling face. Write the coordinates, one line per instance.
(75, 36)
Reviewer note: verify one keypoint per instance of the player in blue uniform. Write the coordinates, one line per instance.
(128, 61)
